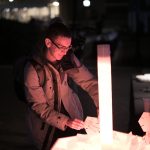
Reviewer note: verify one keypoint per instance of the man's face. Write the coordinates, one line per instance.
(58, 47)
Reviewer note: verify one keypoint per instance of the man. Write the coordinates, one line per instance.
(55, 110)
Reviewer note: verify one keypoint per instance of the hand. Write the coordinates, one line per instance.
(75, 124)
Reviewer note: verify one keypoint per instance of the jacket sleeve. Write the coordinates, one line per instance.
(82, 76)
(36, 96)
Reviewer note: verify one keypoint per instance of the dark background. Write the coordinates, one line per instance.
(122, 24)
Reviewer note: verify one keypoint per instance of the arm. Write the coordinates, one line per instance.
(41, 104)
(85, 79)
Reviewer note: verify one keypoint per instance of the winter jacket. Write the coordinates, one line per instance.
(45, 102)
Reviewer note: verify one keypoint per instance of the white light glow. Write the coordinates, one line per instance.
(7, 10)
(105, 94)
(86, 3)
(11, 0)
(56, 3)
(54, 11)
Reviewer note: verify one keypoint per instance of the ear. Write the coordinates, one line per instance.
(47, 42)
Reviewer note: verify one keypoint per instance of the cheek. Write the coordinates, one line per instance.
(54, 53)
(57, 55)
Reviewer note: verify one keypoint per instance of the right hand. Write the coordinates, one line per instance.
(75, 124)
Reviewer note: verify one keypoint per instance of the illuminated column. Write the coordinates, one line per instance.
(54, 9)
(105, 93)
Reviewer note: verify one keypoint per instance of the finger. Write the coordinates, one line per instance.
(79, 122)
(76, 125)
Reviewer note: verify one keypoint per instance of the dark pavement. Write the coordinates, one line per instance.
(13, 135)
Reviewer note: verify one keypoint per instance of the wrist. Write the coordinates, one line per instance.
(67, 122)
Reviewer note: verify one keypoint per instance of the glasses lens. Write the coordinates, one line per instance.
(61, 47)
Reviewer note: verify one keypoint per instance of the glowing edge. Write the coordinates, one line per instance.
(105, 93)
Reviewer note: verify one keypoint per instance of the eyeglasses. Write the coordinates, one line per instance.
(61, 47)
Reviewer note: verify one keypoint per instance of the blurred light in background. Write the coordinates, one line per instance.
(54, 9)
(86, 3)
(55, 3)
(11, 0)
(25, 14)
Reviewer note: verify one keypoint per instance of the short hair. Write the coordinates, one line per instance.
(56, 29)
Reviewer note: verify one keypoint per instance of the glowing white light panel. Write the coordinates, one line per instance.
(105, 93)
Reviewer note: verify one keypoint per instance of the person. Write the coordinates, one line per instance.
(54, 110)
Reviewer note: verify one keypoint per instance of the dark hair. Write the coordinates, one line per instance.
(56, 28)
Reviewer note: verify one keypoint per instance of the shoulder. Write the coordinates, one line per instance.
(30, 73)
(76, 61)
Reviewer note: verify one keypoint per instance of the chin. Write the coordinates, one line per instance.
(59, 58)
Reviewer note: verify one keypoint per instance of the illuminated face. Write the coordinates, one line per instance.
(57, 48)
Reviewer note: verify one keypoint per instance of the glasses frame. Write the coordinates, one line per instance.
(61, 47)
